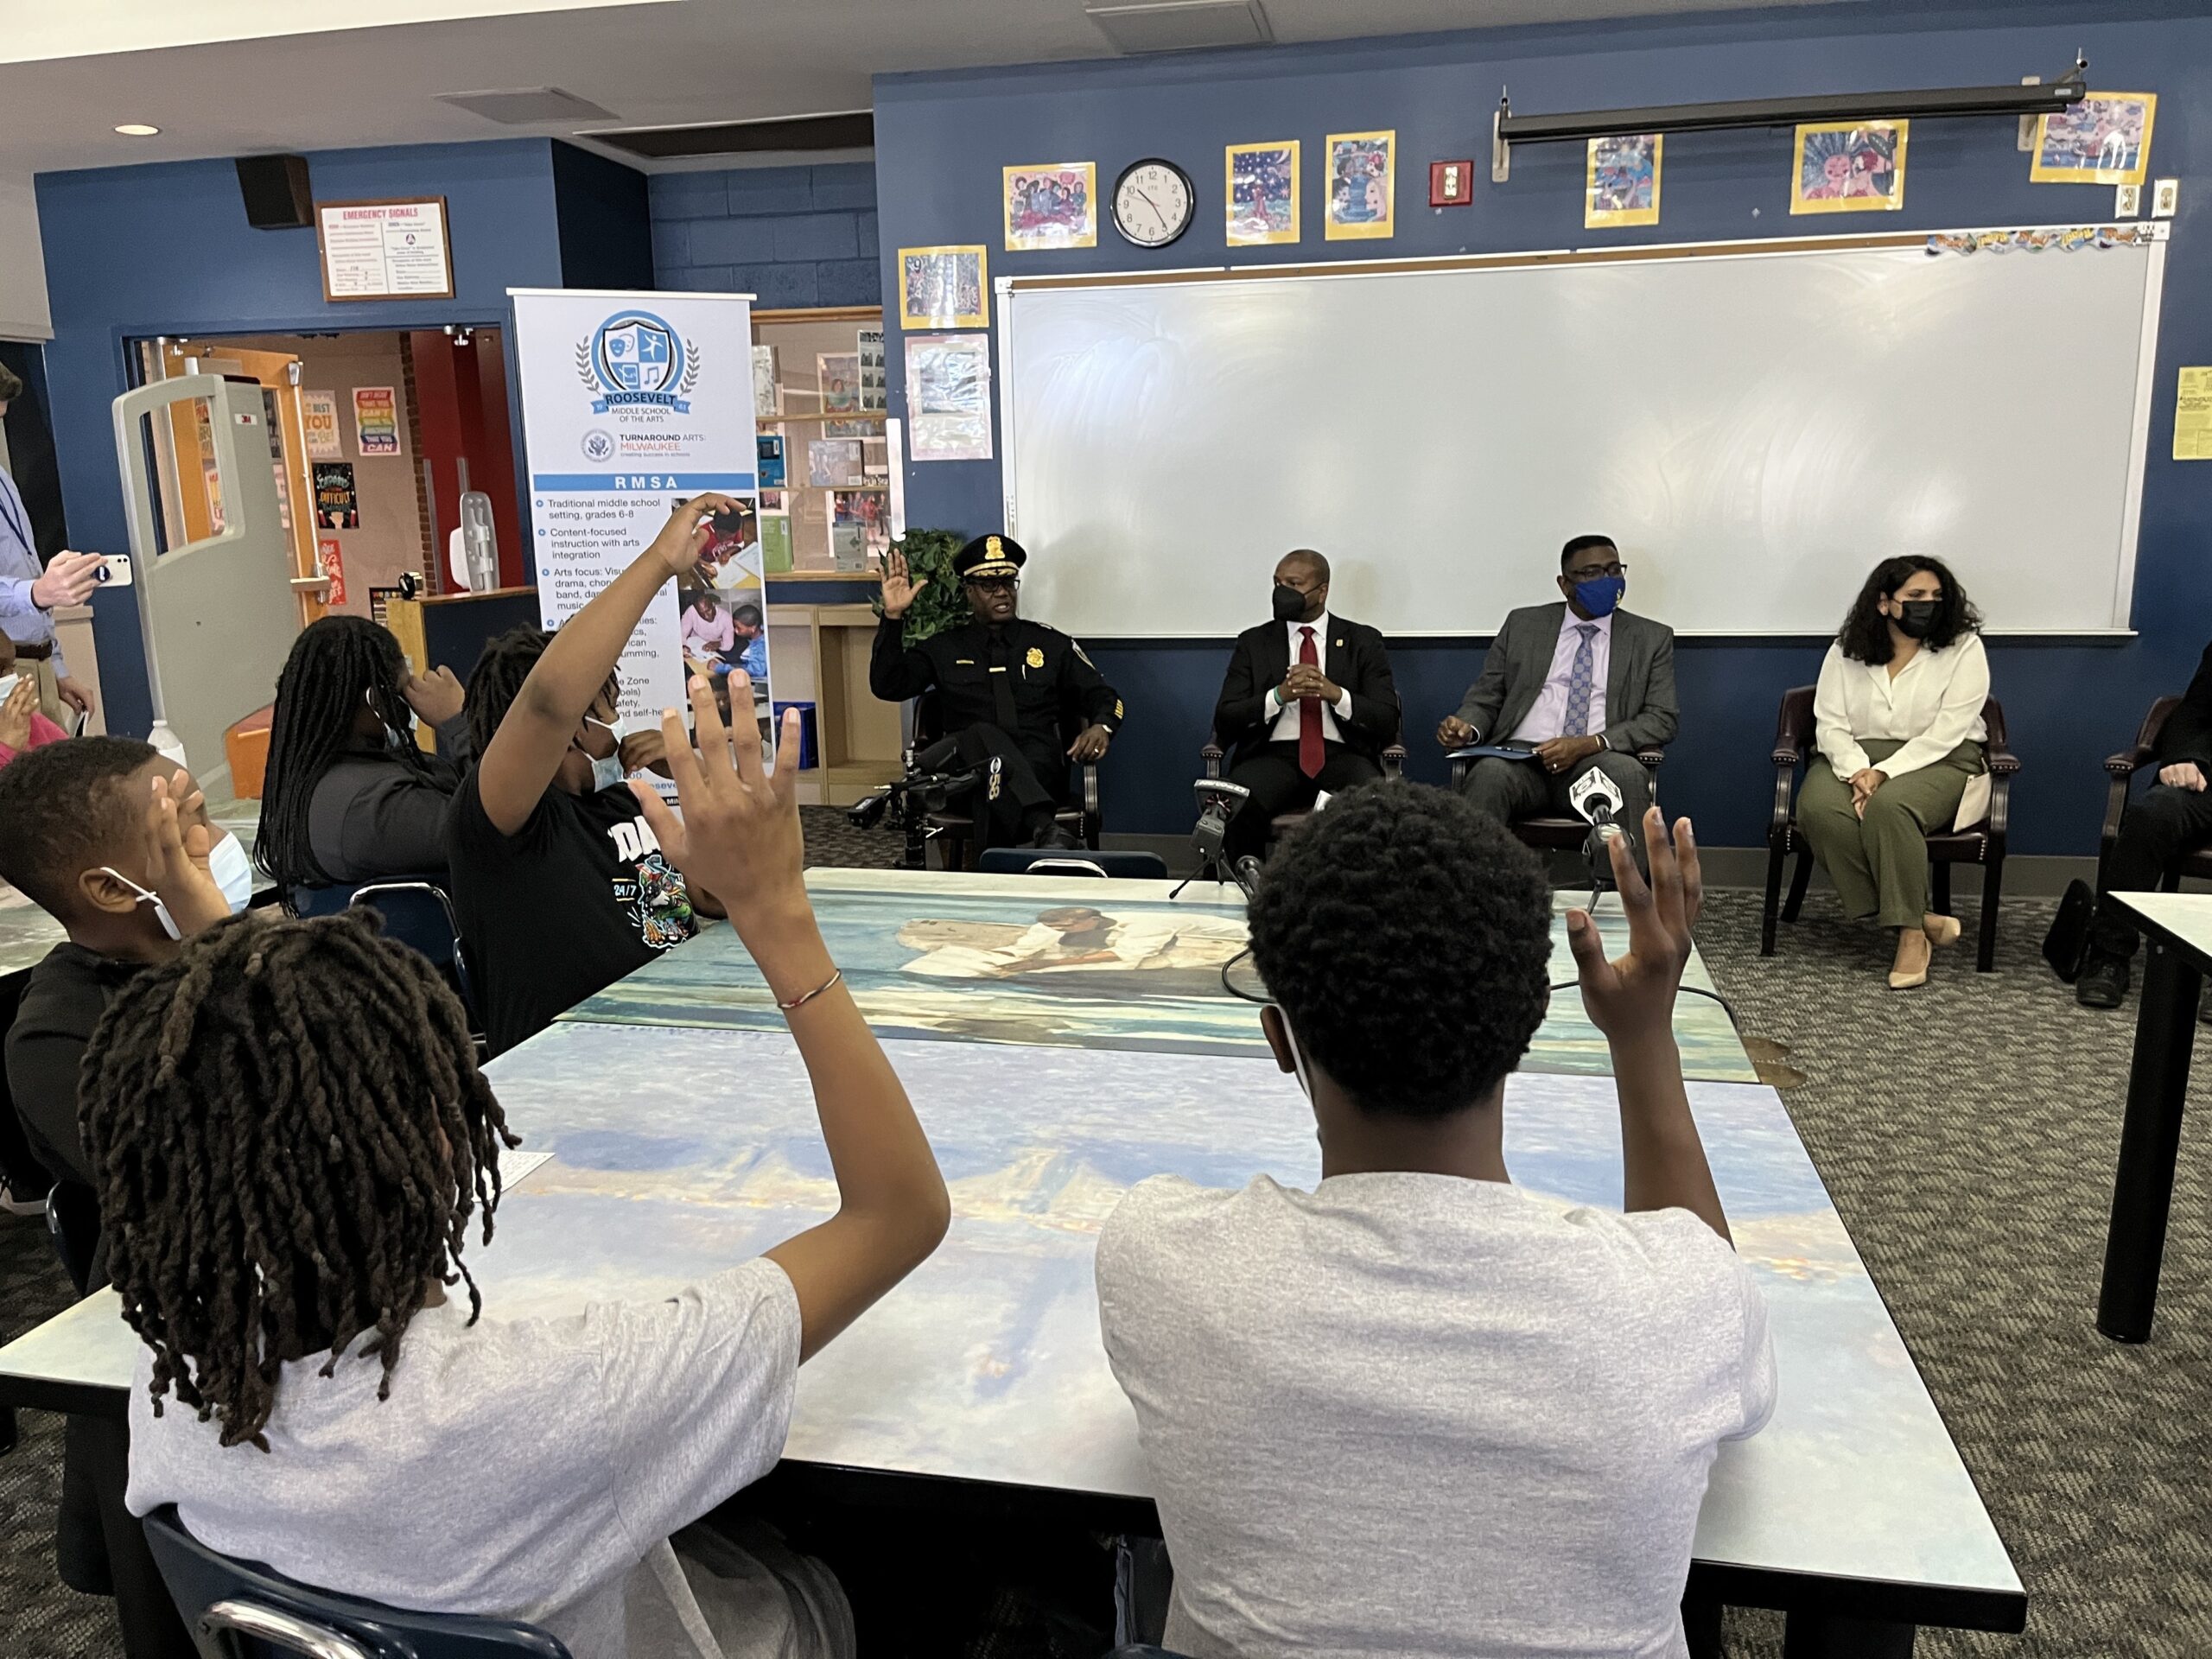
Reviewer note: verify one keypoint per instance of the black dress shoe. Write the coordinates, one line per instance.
(1055, 835)
(2103, 983)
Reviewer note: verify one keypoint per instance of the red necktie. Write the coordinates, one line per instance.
(1309, 713)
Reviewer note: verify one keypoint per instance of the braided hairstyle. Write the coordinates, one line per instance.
(1405, 936)
(334, 664)
(288, 1133)
(497, 681)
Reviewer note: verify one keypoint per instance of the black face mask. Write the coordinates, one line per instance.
(1290, 604)
(1919, 617)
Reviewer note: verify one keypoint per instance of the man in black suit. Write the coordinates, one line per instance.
(1309, 704)
(2171, 817)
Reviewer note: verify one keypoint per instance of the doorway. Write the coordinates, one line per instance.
(375, 434)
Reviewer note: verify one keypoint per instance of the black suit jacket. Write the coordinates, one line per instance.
(2188, 734)
(1352, 655)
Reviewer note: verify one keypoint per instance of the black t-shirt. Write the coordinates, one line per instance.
(63, 1000)
(581, 895)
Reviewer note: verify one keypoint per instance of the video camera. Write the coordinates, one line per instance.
(932, 782)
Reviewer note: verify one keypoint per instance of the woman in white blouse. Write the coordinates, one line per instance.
(1897, 722)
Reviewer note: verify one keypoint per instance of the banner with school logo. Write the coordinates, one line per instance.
(632, 402)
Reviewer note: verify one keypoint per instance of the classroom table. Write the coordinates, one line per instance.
(2177, 927)
(676, 1149)
(938, 955)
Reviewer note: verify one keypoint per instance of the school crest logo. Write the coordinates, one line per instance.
(636, 360)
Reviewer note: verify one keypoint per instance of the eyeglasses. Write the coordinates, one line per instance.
(993, 584)
(1592, 572)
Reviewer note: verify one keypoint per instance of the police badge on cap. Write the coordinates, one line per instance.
(990, 556)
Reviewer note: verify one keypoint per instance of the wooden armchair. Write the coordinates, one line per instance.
(2122, 768)
(1982, 843)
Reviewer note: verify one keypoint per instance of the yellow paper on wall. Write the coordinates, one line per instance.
(2193, 415)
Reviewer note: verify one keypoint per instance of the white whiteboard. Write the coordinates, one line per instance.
(1754, 431)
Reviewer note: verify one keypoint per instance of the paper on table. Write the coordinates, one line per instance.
(516, 1167)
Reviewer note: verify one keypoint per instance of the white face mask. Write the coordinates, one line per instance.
(8, 685)
(160, 911)
(233, 872)
(608, 773)
(393, 737)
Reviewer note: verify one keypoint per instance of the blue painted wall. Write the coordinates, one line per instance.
(132, 252)
(164, 249)
(790, 236)
(942, 140)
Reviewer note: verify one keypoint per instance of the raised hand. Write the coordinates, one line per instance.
(435, 698)
(738, 838)
(900, 590)
(686, 535)
(1632, 998)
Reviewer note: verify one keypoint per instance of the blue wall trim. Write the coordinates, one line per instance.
(942, 140)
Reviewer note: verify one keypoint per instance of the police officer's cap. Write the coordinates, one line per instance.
(988, 558)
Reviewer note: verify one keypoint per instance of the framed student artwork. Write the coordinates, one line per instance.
(1261, 193)
(1361, 186)
(1054, 205)
(2104, 139)
(1849, 167)
(1623, 183)
(944, 288)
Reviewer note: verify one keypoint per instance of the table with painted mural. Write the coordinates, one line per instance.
(679, 1150)
(1078, 962)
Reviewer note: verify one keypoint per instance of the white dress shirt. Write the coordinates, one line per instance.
(1285, 714)
(1547, 715)
(1934, 703)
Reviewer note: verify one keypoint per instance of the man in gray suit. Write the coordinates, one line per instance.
(1581, 684)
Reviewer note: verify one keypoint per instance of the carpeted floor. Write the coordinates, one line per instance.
(1968, 1132)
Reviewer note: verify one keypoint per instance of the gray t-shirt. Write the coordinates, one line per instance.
(529, 1470)
(1413, 1414)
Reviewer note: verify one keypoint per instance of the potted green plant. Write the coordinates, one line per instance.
(940, 605)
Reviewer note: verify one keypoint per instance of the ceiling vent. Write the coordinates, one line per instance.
(528, 106)
(853, 130)
(1137, 26)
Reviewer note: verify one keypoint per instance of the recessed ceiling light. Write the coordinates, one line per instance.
(137, 130)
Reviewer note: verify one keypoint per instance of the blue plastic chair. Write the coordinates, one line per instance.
(241, 1610)
(1049, 861)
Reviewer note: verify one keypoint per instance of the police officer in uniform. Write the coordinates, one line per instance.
(1004, 686)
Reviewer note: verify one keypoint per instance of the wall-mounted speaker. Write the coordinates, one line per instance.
(276, 191)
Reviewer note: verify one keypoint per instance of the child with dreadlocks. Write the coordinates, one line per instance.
(93, 831)
(289, 1123)
(558, 881)
(348, 795)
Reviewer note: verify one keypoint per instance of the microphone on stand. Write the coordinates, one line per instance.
(1596, 800)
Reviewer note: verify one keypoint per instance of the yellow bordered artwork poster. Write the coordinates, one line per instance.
(944, 288)
(1623, 185)
(2104, 139)
(1849, 167)
(1261, 191)
(1362, 180)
